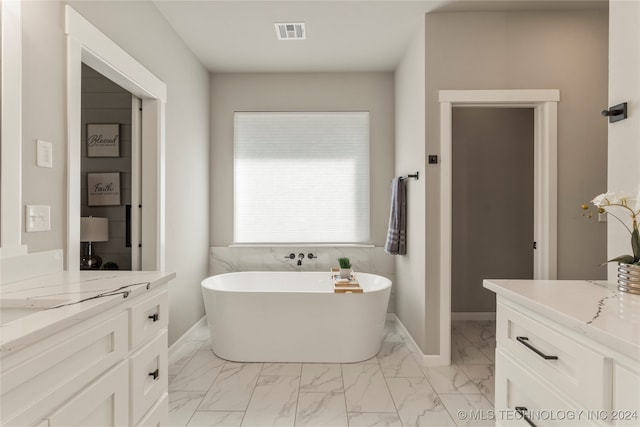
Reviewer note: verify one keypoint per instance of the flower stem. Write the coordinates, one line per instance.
(633, 216)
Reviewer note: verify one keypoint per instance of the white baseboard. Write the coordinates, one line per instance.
(177, 343)
(421, 358)
(474, 315)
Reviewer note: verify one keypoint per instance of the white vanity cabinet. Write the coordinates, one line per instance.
(555, 367)
(108, 369)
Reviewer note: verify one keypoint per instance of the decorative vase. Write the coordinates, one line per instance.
(345, 273)
(629, 278)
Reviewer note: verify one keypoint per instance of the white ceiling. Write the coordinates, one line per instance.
(342, 35)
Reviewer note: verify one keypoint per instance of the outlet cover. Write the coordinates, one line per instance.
(38, 218)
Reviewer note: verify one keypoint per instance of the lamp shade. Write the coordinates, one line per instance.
(94, 229)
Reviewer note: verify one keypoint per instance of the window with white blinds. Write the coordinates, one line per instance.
(301, 177)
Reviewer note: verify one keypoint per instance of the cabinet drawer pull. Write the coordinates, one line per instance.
(523, 341)
(154, 374)
(154, 317)
(523, 411)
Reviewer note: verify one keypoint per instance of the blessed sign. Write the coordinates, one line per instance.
(103, 189)
(103, 140)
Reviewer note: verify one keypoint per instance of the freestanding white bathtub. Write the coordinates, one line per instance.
(294, 317)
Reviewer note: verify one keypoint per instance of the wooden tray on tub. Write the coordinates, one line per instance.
(345, 286)
(347, 289)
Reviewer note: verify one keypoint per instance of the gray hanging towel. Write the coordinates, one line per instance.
(396, 243)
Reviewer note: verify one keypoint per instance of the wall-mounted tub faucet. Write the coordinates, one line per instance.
(300, 258)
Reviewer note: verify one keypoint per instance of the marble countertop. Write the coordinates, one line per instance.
(597, 310)
(38, 307)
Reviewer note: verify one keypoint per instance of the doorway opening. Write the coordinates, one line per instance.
(87, 45)
(492, 204)
(110, 174)
(492, 223)
(544, 105)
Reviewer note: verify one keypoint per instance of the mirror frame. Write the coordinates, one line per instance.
(11, 181)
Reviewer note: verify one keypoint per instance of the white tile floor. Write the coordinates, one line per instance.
(390, 390)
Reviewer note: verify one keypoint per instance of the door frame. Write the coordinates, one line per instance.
(545, 106)
(86, 44)
(136, 183)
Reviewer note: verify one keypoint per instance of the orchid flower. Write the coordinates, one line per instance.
(622, 202)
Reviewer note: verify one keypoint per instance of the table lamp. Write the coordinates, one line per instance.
(93, 229)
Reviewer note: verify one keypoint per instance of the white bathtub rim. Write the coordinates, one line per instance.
(210, 282)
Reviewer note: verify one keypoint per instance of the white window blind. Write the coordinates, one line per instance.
(301, 177)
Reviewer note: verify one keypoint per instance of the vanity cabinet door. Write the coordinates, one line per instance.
(158, 415)
(148, 376)
(626, 396)
(104, 402)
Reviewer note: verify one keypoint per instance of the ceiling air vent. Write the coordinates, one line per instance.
(291, 31)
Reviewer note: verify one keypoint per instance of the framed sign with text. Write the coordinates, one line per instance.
(103, 189)
(103, 140)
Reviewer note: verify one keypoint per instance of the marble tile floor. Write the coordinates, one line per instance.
(389, 390)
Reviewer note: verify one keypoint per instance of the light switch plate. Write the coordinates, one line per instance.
(44, 154)
(38, 218)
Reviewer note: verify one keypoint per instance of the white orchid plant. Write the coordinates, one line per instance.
(622, 203)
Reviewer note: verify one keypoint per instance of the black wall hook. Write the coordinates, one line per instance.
(415, 176)
(616, 113)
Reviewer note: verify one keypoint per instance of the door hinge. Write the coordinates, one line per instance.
(535, 245)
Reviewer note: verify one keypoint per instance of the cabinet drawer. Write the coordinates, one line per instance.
(103, 403)
(148, 318)
(46, 378)
(626, 396)
(517, 387)
(148, 376)
(574, 369)
(158, 415)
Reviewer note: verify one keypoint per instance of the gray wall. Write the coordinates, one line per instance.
(43, 117)
(162, 52)
(492, 201)
(105, 102)
(508, 50)
(410, 302)
(232, 92)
